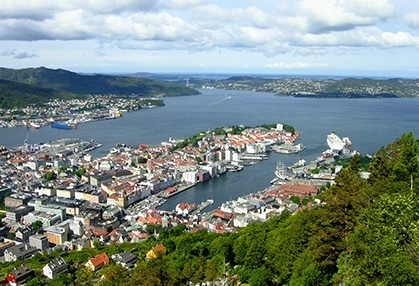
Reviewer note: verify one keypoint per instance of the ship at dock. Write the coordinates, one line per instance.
(64, 126)
(289, 148)
(337, 144)
(281, 174)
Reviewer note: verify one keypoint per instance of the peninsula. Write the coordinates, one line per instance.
(309, 87)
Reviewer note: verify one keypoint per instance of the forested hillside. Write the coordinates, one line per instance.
(365, 232)
(14, 94)
(59, 79)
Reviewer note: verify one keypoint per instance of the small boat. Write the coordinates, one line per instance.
(34, 125)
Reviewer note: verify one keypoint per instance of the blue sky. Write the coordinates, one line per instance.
(323, 37)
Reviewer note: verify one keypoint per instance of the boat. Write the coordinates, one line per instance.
(258, 156)
(335, 143)
(298, 164)
(34, 125)
(281, 172)
(289, 148)
(63, 126)
(234, 168)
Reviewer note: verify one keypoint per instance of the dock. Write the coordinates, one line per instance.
(202, 206)
(176, 190)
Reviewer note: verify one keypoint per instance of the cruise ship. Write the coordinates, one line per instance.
(335, 143)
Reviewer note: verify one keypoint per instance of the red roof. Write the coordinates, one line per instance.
(99, 260)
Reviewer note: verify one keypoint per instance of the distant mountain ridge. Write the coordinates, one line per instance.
(72, 82)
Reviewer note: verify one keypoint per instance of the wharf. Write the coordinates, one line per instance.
(177, 191)
(202, 206)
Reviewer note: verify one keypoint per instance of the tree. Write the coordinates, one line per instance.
(141, 160)
(49, 176)
(384, 247)
(295, 200)
(37, 225)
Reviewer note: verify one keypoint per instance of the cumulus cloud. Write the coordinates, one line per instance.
(342, 15)
(412, 20)
(358, 37)
(303, 27)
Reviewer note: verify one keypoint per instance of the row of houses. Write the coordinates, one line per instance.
(22, 274)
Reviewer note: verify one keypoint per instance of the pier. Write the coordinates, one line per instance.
(202, 206)
(176, 190)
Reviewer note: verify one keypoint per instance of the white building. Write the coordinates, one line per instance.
(54, 267)
(190, 177)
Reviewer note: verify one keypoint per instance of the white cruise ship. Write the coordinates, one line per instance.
(335, 143)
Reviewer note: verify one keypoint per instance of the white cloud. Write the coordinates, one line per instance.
(42, 9)
(412, 20)
(358, 37)
(341, 15)
(295, 28)
(294, 65)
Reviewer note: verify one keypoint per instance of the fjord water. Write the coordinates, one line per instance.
(369, 123)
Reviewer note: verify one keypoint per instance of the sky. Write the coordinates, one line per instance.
(286, 37)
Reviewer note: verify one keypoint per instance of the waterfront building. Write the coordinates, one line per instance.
(190, 177)
(184, 208)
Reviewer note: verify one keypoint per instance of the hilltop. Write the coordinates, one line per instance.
(307, 87)
(48, 83)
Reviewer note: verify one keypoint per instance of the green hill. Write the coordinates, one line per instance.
(64, 80)
(14, 94)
